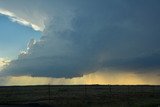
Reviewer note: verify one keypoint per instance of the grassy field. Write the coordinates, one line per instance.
(81, 95)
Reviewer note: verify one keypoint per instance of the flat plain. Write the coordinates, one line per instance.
(82, 95)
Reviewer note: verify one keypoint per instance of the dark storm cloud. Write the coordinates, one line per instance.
(86, 36)
(143, 63)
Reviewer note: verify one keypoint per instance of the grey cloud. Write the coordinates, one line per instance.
(86, 36)
(147, 63)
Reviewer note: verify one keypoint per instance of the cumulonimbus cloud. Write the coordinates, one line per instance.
(85, 36)
(15, 18)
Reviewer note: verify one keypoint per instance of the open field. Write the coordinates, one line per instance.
(82, 95)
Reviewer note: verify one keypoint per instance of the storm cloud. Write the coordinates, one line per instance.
(80, 37)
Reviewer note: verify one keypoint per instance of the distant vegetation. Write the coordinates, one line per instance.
(81, 95)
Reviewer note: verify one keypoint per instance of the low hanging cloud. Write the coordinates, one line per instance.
(85, 36)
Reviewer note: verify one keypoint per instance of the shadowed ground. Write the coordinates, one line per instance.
(81, 95)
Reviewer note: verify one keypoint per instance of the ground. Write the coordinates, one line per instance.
(82, 95)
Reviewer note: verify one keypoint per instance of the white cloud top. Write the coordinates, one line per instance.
(20, 20)
(3, 62)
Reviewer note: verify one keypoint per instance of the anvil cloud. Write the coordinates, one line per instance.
(19, 20)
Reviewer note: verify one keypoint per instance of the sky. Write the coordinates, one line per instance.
(79, 42)
(14, 37)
